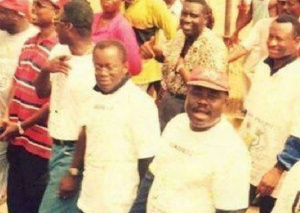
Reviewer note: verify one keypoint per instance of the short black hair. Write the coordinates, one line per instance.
(112, 43)
(80, 14)
(287, 18)
(206, 10)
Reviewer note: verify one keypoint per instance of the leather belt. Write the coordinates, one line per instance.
(63, 142)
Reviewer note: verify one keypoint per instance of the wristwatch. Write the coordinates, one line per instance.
(74, 172)
(20, 129)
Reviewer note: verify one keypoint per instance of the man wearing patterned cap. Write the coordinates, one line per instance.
(15, 29)
(29, 147)
(197, 169)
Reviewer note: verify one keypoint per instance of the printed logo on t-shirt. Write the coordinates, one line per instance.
(296, 204)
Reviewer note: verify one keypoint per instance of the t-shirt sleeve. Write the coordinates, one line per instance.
(146, 131)
(231, 180)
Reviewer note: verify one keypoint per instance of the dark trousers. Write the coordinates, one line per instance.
(27, 180)
(265, 203)
(168, 108)
(140, 203)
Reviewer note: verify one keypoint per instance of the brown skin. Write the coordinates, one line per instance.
(282, 43)
(192, 19)
(110, 70)
(292, 7)
(204, 107)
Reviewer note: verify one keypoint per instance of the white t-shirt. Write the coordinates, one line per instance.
(64, 121)
(121, 128)
(272, 111)
(199, 171)
(288, 200)
(10, 49)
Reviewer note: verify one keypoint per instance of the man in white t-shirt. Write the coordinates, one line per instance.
(122, 134)
(15, 29)
(203, 165)
(68, 75)
(271, 107)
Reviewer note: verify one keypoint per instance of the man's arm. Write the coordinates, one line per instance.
(13, 128)
(244, 17)
(143, 165)
(42, 83)
(69, 184)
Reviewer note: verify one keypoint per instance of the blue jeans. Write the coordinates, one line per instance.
(59, 164)
(3, 166)
(140, 203)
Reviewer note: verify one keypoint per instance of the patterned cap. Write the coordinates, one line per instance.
(209, 78)
(21, 6)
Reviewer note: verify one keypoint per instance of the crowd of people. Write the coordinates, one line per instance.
(124, 111)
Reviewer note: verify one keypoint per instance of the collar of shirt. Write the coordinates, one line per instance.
(269, 61)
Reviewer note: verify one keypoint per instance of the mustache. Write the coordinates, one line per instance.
(200, 109)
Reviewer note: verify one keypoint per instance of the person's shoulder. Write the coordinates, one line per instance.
(136, 94)
(60, 49)
(229, 136)
(180, 121)
(209, 37)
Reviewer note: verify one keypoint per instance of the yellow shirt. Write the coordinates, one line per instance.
(146, 14)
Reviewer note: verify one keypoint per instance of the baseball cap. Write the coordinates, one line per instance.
(209, 78)
(20, 6)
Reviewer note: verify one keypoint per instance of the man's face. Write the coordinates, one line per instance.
(192, 19)
(43, 13)
(62, 28)
(292, 7)
(8, 19)
(282, 42)
(204, 106)
(110, 6)
(110, 70)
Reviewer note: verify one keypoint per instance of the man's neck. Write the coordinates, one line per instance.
(109, 16)
(46, 31)
(81, 47)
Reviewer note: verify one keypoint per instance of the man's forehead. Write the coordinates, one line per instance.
(192, 6)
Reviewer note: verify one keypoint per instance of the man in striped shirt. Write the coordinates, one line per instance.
(30, 145)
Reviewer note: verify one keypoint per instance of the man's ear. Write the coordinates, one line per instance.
(125, 68)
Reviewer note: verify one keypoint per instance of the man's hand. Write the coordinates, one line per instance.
(269, 181)
(147, 49)
(58, 64)
(11, 129)
(68, 186)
